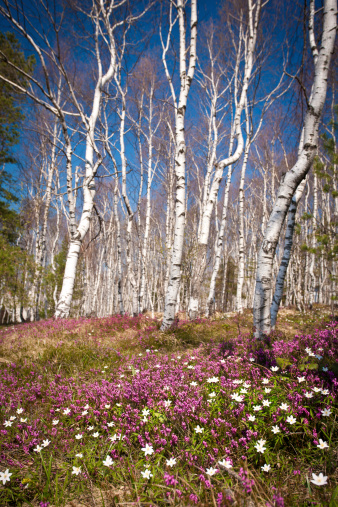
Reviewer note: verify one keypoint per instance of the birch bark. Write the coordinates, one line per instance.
(241, 245)
(313, 241)
(186, 78)
(293, 177)
(288, 242)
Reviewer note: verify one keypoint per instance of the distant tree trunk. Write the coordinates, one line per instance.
(294, 176)
(218, 247)
(210, 196)
(119, 251)
(41, 247)
(313, 241)
(150, 173)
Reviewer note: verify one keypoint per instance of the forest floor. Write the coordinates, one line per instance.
(113, 412)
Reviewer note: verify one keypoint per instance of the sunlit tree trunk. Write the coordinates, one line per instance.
(241, 245)
(288, 242)
(63, 306)
(185, 83)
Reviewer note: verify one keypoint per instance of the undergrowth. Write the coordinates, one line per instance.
(104, 412)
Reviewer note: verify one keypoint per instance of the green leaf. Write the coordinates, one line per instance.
(283, 363)
(312, 366)
(334, 498)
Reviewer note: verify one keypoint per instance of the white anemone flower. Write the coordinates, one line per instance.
(322, 444)
(146, 474)
(76, 470)
(225, 463)
(319, 480)
(291, 419)
(5, 476)
(284, 406)
(108, 462)
(211, 471)
(266, 468)
(171, 462)
(260, 447)
(198, 429)
(237, 397)
(148, 450)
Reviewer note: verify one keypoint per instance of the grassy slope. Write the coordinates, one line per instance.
(49, 367)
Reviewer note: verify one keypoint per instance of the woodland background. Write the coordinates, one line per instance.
(81, 76)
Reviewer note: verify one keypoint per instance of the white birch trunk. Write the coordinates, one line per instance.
(119, 251)
(241, 245)
(150, 172)
(313, 241)
(218, 247)
(288, 242)
(63, 307)
(185, 81)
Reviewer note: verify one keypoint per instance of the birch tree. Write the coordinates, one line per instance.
(262, 301)
(288, 242)
(248, 39)
(180, 104)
